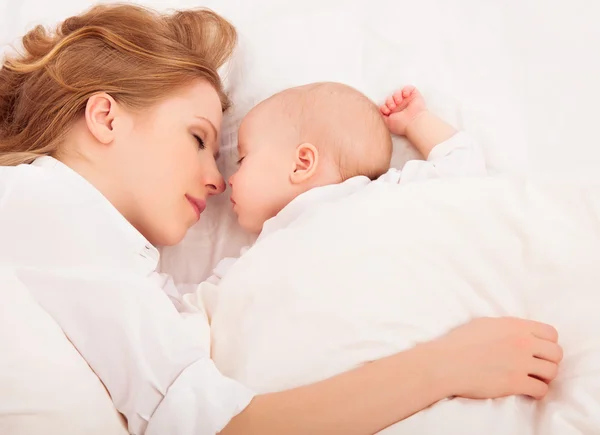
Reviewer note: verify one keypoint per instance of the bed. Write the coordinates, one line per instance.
(520, 77)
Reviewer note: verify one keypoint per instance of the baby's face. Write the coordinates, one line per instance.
(261, 186)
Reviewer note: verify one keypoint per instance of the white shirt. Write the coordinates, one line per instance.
(458, 156)
(94, 273)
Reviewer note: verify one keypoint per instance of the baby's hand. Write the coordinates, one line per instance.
(496, 357)
(402, 108)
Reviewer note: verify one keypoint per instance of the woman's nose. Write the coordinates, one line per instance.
(216, 186)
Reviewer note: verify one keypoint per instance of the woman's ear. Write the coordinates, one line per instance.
(306, 161)
(100, 112)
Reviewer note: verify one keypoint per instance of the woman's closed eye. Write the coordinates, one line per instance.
(200, 142)
(239, 162)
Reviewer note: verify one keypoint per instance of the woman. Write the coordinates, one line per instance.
(109, 130)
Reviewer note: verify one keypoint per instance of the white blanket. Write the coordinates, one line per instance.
(378, 271)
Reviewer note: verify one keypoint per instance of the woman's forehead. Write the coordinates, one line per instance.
(198, 100)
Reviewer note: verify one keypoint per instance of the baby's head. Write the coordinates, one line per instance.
(302, 138)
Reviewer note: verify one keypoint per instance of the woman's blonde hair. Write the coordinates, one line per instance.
(136, 55)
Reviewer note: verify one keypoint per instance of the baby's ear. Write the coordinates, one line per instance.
(305, 163)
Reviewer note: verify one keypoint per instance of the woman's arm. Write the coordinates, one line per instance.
(160, 377)
(486, 358)
(363, 401)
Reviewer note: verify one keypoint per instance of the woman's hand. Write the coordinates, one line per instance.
(497, 357)
(486, 358)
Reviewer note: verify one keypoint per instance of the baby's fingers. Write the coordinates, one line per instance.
(397, 97)
(407, 91)
(385, 110)
(391, 104)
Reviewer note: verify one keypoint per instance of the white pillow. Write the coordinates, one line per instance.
(46, 386)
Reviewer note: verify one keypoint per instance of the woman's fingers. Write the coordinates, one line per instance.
(533, 388)
(543, 370)
(548, 351)
(544, 331)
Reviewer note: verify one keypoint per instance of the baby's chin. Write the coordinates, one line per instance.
(249, 225)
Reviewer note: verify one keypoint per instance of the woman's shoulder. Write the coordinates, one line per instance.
(51, 216)
(23, 176)
(41, 182)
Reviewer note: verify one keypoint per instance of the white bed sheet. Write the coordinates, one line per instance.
(520, 76)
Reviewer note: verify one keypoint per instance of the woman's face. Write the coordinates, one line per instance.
(168, 164)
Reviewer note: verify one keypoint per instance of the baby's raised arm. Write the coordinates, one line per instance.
(447, 152)
(406, 114)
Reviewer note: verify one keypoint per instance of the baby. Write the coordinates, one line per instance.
(323, 134)
(299, 151)
(323, 141)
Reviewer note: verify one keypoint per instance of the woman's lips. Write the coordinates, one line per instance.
(197, 204)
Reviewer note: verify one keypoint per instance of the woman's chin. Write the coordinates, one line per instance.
(171, 236)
